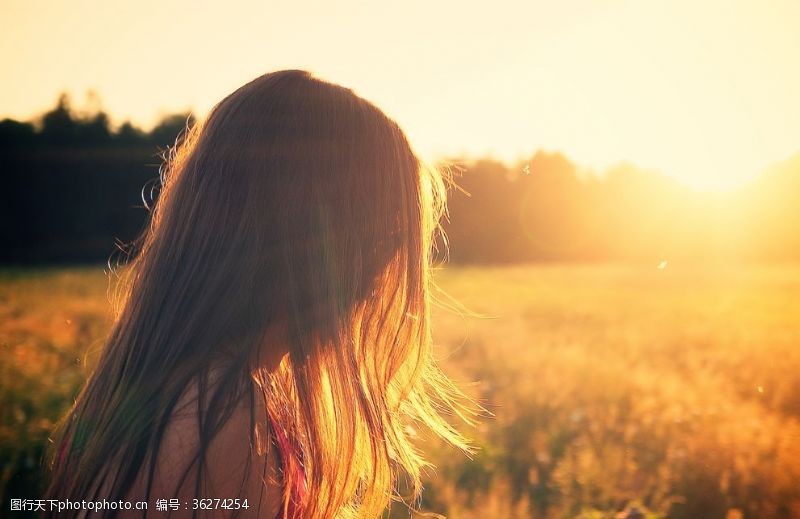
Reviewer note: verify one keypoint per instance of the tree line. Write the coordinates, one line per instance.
(547, 209)
(75, 189)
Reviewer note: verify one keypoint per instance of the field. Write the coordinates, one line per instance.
(675, 390)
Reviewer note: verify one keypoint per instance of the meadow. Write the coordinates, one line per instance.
(674, 391)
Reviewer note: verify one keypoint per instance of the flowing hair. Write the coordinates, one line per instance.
(295, 199)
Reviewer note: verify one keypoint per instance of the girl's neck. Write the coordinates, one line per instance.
(273, 348)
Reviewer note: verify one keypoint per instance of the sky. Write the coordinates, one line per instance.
(703, 91)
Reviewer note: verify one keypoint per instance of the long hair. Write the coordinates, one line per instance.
(295, 200)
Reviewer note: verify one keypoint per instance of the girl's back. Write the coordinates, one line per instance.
(238, 474)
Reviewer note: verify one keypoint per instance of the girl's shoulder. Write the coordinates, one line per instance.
(239, 461)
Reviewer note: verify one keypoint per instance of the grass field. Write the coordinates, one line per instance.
(673, 390)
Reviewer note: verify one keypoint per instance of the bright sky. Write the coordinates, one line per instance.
(706, 91)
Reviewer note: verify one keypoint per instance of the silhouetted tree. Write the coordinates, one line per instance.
(128, 134)
(58, 125)
(171, 128)
(95, 130)
(16, 134)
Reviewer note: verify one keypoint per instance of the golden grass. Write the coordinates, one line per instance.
(675, 390)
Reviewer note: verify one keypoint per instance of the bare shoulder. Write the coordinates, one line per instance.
(235, 466)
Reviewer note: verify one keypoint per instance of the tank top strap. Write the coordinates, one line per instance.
(291, 466)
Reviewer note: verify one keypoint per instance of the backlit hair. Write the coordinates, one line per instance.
(294, 200)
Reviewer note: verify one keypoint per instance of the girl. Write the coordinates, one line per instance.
(273, 348)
